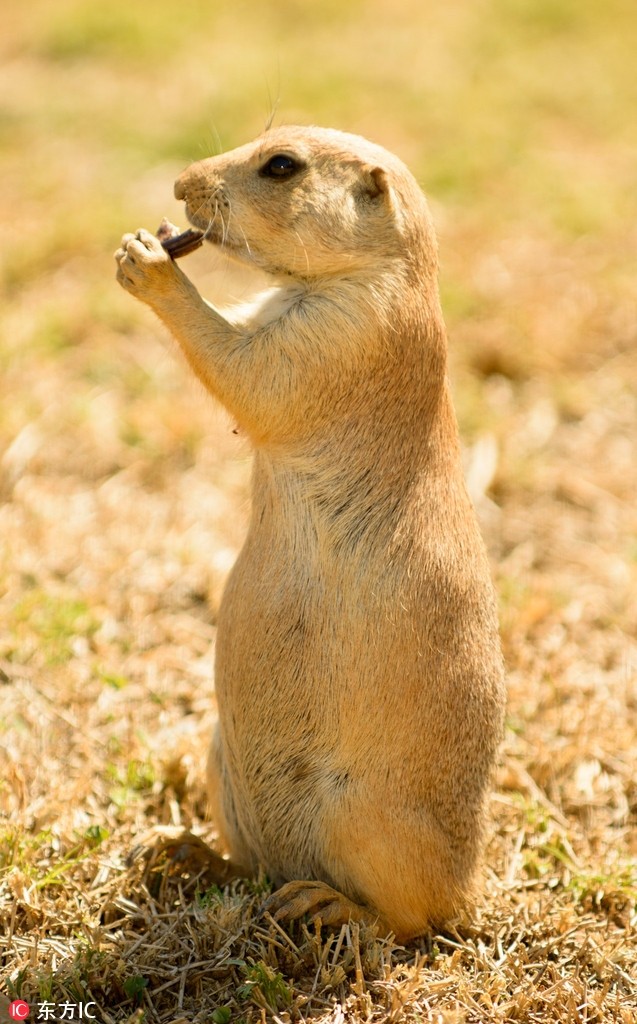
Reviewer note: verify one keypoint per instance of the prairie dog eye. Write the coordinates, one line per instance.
(280, 166)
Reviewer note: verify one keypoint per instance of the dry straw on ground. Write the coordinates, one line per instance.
(123, 501)
(110, 706)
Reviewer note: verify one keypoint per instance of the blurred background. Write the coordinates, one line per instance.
(123, 492)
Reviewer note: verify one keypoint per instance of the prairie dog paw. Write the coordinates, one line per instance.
(144, 268)
(318, 900)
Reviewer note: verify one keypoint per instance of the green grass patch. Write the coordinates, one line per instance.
(265, 987)
(44, 627)
(118, 32)
(130, 782)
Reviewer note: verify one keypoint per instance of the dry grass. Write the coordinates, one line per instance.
(123, 498)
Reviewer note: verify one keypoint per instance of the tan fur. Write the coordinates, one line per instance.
(358, 671)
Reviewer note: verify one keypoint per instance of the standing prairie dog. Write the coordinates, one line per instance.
(358, 667)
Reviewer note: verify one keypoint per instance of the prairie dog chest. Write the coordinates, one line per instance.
(265, 306)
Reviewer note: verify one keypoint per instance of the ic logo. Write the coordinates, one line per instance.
(18, 1009)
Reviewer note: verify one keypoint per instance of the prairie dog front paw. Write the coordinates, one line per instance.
(145, 269)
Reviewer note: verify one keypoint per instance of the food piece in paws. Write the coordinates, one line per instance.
(176, 243)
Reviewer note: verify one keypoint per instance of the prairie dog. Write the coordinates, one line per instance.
(358, 668)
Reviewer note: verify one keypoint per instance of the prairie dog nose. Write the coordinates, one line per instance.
(196, 180)
(180, 185)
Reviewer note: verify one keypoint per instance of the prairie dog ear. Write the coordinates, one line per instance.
(377, 186)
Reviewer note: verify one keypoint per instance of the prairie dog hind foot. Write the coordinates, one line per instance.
(188, 854)
(319, 900)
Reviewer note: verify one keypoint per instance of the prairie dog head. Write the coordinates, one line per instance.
(310, 202)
